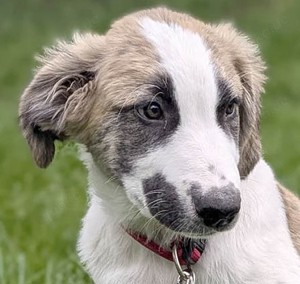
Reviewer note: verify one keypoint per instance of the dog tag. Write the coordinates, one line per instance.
(186, 278)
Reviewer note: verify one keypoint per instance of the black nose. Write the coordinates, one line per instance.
(218, 207)
(216, 217)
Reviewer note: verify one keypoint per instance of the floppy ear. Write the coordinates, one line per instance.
(56, 104)
(250, 68)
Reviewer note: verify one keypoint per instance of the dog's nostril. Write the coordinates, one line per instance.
(217, 218)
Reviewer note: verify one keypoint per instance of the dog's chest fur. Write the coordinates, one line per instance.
(249, 253)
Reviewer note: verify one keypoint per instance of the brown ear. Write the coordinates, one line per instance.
(56, 103)
(250, 68)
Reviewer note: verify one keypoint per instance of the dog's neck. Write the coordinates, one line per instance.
(247, 251)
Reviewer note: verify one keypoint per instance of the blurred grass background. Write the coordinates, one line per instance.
(40, 210)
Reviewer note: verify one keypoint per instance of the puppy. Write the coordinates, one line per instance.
(167, 109)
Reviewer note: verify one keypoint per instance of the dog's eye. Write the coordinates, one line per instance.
(231, 107)
(153, 111)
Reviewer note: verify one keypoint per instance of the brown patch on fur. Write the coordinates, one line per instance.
(292, 209)
(56, 104)
(128, 67)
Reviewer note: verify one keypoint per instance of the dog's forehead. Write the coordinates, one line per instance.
(154, 44)
(187, 60)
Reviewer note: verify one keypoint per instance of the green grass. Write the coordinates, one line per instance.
(40, 210)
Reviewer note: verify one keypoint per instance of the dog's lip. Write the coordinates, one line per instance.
(206, 232)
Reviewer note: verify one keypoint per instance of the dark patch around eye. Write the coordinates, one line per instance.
(131, 137)
(230, 124)
(225, 93)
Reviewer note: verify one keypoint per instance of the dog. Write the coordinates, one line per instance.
(167, 111)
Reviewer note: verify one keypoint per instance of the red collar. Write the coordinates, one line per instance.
(193, 256)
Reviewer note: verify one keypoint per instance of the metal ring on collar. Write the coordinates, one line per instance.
(184, 274)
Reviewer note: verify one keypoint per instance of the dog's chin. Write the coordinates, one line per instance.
(197, 231)
(204, 234)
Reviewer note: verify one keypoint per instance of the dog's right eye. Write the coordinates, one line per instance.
(151, 111)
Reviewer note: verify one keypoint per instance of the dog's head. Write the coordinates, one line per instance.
(166, 104)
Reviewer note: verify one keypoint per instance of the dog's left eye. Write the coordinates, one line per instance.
(231, 107)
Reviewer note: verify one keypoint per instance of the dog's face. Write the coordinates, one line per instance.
(166, 104)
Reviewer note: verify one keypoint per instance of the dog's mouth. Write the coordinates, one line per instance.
(196, 229)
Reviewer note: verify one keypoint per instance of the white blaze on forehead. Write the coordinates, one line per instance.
(186, 59)
(199, 151)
